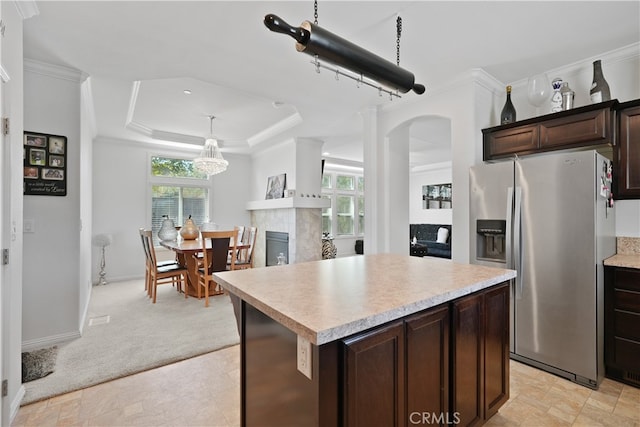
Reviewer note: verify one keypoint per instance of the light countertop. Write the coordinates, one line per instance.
(323, 301)
(628, 253)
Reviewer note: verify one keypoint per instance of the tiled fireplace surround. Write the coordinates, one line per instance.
(304, 226)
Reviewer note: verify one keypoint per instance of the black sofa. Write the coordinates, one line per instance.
(427, 235)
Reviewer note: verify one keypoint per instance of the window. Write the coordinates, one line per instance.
(345, 217)
(177, 190)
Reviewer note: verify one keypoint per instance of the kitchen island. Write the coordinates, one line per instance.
(372, 340)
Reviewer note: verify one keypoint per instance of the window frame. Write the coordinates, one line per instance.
(172, 181)
(333, 193)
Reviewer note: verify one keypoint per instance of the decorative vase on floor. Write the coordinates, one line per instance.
(102, 241)
(329, 249)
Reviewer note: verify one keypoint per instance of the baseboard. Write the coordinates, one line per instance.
(15, 404)
(49, 341)
(121, 279)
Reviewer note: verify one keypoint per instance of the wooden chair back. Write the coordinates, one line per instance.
(216, 252)
(246, 255)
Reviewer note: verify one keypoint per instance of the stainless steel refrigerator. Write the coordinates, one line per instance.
(549, 217)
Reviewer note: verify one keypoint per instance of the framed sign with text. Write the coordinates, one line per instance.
(45, 164)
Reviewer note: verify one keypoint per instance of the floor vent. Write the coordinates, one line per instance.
(632, 376)
(102, 320)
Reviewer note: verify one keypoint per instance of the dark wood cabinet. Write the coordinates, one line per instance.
(374, 372)
(398, 370)
(622, 324)
(480, 348)
(441, 366)
(447, 365)
(427, 355)
(628, 151)
(591, 125)
(496, 349)
(468, 358)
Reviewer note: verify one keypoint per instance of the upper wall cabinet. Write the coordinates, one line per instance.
(576, 128)
(628, 150)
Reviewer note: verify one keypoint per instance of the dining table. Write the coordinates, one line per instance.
(186, 252)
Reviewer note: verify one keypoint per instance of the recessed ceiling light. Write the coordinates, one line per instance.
(187, 92)
(326, 153)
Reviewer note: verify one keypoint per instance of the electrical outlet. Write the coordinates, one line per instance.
(304, 356)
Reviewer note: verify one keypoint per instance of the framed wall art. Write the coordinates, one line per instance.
(275, 186)
(45, 164)
(436, 196)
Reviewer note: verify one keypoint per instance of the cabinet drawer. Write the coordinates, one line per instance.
(627, 279)
(627, 352)
(627, 325)
(591, 127)
(519, 140)
(627, 300)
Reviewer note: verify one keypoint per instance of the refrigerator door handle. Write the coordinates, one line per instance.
(509, 217)
(517, 241)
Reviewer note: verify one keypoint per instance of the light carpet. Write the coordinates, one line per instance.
(138, 336)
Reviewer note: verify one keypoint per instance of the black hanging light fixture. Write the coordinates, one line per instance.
(322, 44)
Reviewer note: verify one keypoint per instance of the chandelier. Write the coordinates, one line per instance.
(210, 160)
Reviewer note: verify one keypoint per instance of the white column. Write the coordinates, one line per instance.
(371, 182)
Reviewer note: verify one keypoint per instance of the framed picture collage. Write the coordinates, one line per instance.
(45, 164)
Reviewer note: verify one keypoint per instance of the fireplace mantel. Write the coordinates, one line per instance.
(289, 202)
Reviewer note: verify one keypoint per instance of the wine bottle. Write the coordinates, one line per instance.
(508, 114)
(599, 88)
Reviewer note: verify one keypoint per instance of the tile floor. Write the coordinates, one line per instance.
(205, 391)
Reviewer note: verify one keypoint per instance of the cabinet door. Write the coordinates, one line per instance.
(468, 360)
(496, 349)
(374, 372)
(503, 143)
(577, 130)
(427, 346)
(629, 153)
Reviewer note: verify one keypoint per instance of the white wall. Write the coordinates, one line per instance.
(122, 200)
(50, 303)
(275, 160)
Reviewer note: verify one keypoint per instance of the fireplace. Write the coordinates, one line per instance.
(277, 242)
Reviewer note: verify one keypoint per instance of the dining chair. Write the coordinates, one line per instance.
(147, 257)
(164, 273)
(245, 254)
(217, 246)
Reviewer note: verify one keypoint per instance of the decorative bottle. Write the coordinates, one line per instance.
(599, 88)
(508, 114)
(556, 98)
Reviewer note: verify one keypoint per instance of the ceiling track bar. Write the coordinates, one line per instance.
(358, 79)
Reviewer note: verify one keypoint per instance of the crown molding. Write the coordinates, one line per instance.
(55, 71)
(27, 8)
(283, 125)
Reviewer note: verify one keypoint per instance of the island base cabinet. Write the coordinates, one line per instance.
(398, 375)
(373, 377)
(480, 347)
(442, 366)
